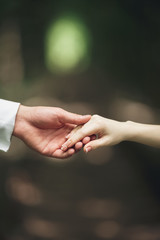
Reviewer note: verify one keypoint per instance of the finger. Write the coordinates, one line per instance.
(74, 130)
(86, 130)
(78, 146)
(86, 140)
(96, 144)
(73, 118)
(68, 136)
(60, 154)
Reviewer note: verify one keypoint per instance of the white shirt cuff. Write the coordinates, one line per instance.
(8, 111)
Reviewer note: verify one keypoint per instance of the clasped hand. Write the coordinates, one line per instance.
(44, 129)
(55, 132)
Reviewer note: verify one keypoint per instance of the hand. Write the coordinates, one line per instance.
(44, 129)
(109, 132)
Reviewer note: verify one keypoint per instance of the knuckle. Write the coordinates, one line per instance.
(95, 116)
(96, 121)
(57, 109)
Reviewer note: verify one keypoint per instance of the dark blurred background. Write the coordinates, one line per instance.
(87, 57)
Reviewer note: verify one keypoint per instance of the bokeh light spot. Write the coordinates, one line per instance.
(67, 45)
(107, 229)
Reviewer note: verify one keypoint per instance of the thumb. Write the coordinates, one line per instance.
(96, 144)
(73, 118)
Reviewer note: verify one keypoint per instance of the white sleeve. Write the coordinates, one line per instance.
(8, 111)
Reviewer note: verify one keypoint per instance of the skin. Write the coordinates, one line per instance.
(44, 129)
(110, 132)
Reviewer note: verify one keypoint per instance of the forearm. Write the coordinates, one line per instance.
(142, 133)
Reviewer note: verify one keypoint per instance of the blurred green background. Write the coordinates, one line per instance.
(87, 57)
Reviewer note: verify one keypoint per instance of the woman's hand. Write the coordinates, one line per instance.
(108, 132)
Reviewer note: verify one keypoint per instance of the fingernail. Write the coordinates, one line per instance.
(67, 136)
(64, 148)
(88, 149)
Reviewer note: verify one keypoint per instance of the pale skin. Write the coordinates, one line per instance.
(110, 132)
(44, 129)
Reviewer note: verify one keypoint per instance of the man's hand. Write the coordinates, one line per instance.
(44, 129)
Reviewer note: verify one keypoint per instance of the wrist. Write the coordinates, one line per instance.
(21, 118)
(131, 131)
